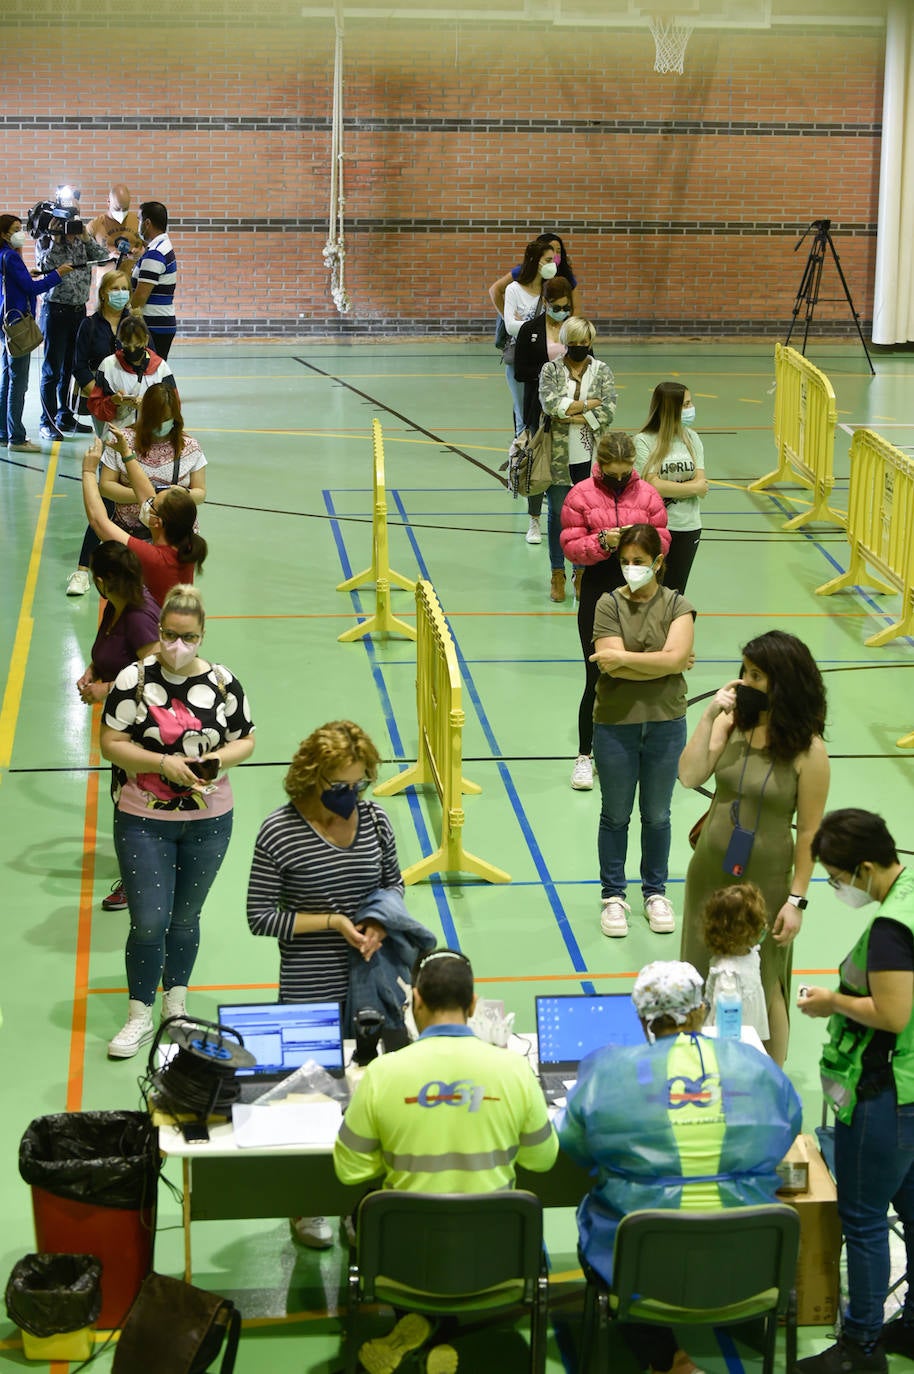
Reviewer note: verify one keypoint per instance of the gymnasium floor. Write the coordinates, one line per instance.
(287, 434)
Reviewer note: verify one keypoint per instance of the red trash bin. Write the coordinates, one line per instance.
(94, 1177)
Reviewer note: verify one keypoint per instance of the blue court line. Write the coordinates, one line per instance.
(577, 959)
(705, 662)
(728, 1350)
(425, 844)
(856, 590)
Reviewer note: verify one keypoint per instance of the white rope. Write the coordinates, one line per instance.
(335, 248)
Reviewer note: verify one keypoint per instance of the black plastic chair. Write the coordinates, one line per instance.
(446, 1254)
(700, 1269)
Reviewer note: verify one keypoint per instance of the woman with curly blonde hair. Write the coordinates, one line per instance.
(317, 859)
(325, 868)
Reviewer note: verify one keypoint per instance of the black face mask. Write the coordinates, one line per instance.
(616, 484)
(577, 352)
(135, 355)
(750, 703)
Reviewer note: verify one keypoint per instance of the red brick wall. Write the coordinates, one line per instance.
(680, 197)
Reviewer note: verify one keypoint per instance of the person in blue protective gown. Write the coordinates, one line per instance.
(684, 1122)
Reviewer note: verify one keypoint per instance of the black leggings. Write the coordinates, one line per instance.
(598, 578)
(679, 560)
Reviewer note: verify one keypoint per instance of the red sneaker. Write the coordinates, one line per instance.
(116, 899)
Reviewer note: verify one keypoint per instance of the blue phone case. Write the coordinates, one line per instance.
(738, 851)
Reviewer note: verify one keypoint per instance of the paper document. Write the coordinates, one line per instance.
(312, 1123)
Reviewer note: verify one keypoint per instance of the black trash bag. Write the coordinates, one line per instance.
(50, 1294)
(109, 1159)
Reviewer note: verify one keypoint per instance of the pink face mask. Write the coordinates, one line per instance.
(178, 654)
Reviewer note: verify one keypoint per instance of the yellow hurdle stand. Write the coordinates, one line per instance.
(880, 527)
(440, 718)
(380, 573)
(805, 417)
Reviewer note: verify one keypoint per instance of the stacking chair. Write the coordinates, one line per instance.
(449, 1254)
(699, 1269)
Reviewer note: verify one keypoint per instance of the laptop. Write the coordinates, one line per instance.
(569, 1027)
(282, 1035)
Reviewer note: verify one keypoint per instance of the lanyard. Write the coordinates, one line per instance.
(735, 806)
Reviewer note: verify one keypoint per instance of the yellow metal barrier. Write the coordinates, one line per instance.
(383, 621)
(880, 527)
(805, 416)
(440, 716)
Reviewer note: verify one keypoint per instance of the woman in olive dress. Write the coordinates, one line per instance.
(761, 739)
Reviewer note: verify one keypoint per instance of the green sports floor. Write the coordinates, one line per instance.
(287, 434)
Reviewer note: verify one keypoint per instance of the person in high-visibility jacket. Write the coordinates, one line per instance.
(684, 1122)
(447, 1114)
(867, 1070)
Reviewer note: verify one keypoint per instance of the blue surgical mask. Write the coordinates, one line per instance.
(557, 314)
(118, 299)
(165, 428)
(688, 415)
(342, 799)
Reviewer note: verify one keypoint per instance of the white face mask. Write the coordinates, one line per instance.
(119, 215)
(637, 576)
(547, 270)
(178, 654)
(851, 896)
(17, 240)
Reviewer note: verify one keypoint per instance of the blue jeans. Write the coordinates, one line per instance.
(59, 325)
(14, 382)
(874, 1166)
(645, 757)
(167, 868)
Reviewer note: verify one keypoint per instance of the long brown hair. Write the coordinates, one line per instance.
(665, 420)
(178, 512)
(158, 404)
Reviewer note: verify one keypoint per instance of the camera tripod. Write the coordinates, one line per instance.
(812, 280)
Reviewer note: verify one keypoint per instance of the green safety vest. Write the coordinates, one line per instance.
(841, 1064)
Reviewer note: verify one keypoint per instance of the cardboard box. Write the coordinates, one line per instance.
(818, 1265)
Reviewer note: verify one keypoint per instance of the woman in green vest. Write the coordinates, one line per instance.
(868, 1077)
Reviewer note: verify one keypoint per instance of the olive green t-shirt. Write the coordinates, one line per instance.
(643, 627)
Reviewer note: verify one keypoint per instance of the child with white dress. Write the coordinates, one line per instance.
(734, 919)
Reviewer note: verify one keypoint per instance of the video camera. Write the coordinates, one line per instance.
(59, 216)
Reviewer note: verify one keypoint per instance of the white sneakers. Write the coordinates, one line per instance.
(174, 1003)
(138, 1030)
(78, 583)
(658, 910)
(534, 534)
(660, 915)
(613, 917)
(582, 774)
(315, 1232)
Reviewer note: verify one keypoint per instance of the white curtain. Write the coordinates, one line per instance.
(893, 303)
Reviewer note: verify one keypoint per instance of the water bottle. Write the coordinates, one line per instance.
(728, 1006)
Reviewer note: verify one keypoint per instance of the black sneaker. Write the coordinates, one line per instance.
(846, 1356)
(897, 1338)
(77, 427)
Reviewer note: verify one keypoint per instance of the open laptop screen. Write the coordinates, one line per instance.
(569, 1027)
(283, 1035)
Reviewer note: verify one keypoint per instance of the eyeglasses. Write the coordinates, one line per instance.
(339, 787)
(839, 882)
(170, 636)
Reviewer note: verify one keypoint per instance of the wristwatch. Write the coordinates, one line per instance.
(801, 903)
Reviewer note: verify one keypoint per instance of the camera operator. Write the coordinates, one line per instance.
(61, 238)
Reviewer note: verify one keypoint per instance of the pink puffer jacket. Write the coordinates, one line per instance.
(590, 506)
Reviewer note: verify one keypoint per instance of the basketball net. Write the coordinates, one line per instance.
(670, 39)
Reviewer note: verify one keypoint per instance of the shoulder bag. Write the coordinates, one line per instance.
(175, 1328)
(21, 330)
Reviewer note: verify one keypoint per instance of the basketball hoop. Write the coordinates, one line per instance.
(670, 38)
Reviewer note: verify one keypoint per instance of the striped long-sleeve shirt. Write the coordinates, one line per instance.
(296, 869)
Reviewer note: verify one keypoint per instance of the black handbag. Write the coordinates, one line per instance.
(175, 1328)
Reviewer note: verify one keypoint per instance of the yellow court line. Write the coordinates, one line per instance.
(12, 696)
